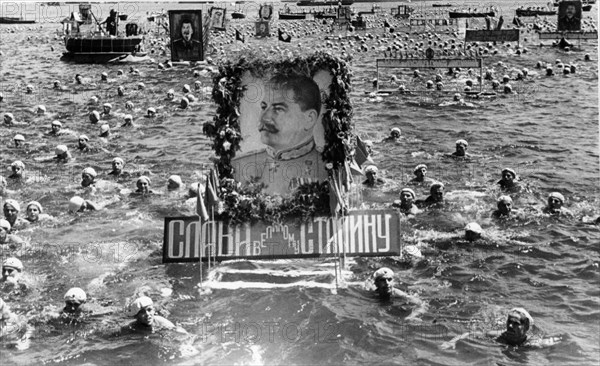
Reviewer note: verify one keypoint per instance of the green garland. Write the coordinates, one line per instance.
(246, 202)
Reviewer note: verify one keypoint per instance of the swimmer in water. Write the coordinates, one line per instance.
(420, 173)
(55, 128)
(509, 181)
(35, 212)
(383, 280)
(143, 186)
(18, 169)
(12, 271)
(555, 205)
(518, 323)
(62, 154)
(174, 183)
(473, 231)
(106, 111)
(19, 140)
(406, 203)
(117, 168)
(94, 117)
(9, 120)
(504, 207)
(88, 176)
(372, 179)
(436, 195)
(75, 305)
(78, 204)
(12, 241)
(146, 320)
(461, 149)
(11, 210)
(83, 143)
(395, 134)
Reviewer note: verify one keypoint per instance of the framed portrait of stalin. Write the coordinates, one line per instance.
(289, 123)
(217, 18)
(265, 12)
(262, 29)
(569, 16)
(186, 35)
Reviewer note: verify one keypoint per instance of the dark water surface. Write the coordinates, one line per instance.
(548, 133)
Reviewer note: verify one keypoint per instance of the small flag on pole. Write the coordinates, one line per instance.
(239, 36)
(284, 37)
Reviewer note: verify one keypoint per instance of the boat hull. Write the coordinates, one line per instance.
(10, 20)
(291, 16)
(99, 45)
(532, 13)
(323, 3)
(458, 14)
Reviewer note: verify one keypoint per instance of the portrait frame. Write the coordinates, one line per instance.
(564, 21)
(265, 12)
(180, 52)
(262, 29)
(237, 92)
(217, 18)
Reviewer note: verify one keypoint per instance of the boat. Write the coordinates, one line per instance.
(292, 16)
(325, 15)
(237, 15)
(466, 14)
(587, 7)
(323, 3)
(447, 5)
(14, 20)
(97, 46)
(534, 12)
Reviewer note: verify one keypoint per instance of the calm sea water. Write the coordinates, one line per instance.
(548, 133)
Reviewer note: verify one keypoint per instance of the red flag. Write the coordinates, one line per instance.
(239, 36)
(336, 201)
(212, 199)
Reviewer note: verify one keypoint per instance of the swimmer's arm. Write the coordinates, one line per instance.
(452, 343)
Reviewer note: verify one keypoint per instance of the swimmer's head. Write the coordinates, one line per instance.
(174, 182)
(34, 209)
(41, 109)
(186, 88)
(104, 76)
(184, 103)
(437, 191)
(87, 176)
(429, 84)
(104, 130)
(508, 175)
(395, 132)
(120, 91)
(129, 105)
(508, 89)
(94, 116)
(128, 119)
(141, 86)
(407, 196)
(56, 126)
(473, 231)
(74, 298)
(384, 281)
(8, 117)
(106, 107)
(170, 94)
(143, 310)
(504, 205)
(461, 147)
(56, 84)
(11, 210)
(151, 112)
(420, 171)
(5, 227)
(555, 201)
(371, 173)
(76, 204)
(117, 165)
(11, 269)
(518, 322)
(143, 184)
(18, 168)
(61, 151)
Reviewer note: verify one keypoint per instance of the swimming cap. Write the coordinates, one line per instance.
(84, 137)
(118, 160)
(75, 204)
(371, 169)
(107, 105)
(462, 142)
(128, 116)
(5, 224)
(413, 250)
(140, 85)
(151, 110)
(474, 227)
(558, 196)
(185, 102)
(139, 304)
(37, 204)
(94, 116)
(9, 115)
(523, 314)
(505, 199)
(408, 190)
(18, 164)
(13, 262)
(89, 171)
(104, 128)
(186, 88)
(396, 129)
(76, 294)
(381, 272)
(105, 74)
(419, 167)
(14, 204)
(56, 123)
(171, 91)
(129, 104)
(144, 178)
(61, 149)
(509, 170)
(42, 108)
(176, 179)
(436, 185)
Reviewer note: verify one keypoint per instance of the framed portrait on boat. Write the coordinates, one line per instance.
(186, 35)
(262, 29)
(265, 12)
(217, 18)
(569, 16)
